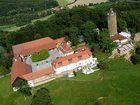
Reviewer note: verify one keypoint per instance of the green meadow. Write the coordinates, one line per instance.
(118, 85)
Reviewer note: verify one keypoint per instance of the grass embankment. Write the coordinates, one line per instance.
(13, 27)
(119, 85)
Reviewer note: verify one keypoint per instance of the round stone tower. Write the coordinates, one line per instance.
(112, 22)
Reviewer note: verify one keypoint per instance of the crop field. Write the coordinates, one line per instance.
(82, 2)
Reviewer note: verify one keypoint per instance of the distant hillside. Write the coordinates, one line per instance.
(12, 7)
(21, 12)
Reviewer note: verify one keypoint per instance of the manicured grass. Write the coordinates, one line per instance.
(119, 85)
(100, 55)
(8, 97)
(62, 2)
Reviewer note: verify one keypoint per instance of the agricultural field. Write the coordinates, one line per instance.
(118, 85)
(82, 2)
(62, 2)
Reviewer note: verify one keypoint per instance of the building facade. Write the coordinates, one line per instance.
(62, 60)
(112, 22)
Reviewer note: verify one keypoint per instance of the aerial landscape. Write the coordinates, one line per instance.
(69, 52)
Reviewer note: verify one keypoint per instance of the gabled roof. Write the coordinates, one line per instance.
(37, 74)
(33, 46)
(18, 69)
(118, 37)
(28, 48)
(125, 34)
(73, 58)
(60, 40)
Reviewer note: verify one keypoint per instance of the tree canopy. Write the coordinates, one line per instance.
(41, 97)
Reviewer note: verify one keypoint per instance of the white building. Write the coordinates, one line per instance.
(62, 59)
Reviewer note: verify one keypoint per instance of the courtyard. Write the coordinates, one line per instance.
(54, 53)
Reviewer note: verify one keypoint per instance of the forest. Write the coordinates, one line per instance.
(21, 12)
(72, 23)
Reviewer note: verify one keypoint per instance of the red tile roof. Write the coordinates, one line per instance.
(37, 74)
(65, 47)
(63, 61)
(33, 46)
(118, 37)
(18, 69)
(60, 40)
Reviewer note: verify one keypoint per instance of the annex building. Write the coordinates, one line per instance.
(62, 60)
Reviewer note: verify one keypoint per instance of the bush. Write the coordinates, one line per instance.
(42, 97)
(23, 87)
(135, 59)
(103, 65)
(3, 70)
(138, 50)
(42, 55)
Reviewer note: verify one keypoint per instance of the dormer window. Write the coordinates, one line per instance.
(70, 60)
(80, 57)
(60, 63)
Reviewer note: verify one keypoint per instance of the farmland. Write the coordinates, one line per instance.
(82, 2)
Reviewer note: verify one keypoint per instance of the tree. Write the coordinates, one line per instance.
(88, 29)
(73, 35)
(138, 50)
(122, 25)
(103, 65)
(23, 87)
(135, 59)
(3, 70)
(105, 42)
(5, 58)
(41, 97)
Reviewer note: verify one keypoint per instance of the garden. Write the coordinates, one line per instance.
(39, 56)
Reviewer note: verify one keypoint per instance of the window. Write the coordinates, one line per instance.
(70, 60)
(60, 63)
(80, 57)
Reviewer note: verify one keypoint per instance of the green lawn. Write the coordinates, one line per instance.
(119, 85)
(100, 55)
(8, 97)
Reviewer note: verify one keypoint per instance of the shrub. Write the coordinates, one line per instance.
(3, 70)
(135, 59)
(42, 97)
(23, 87)
(138, 50)
(103, 65)
(38, 56)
